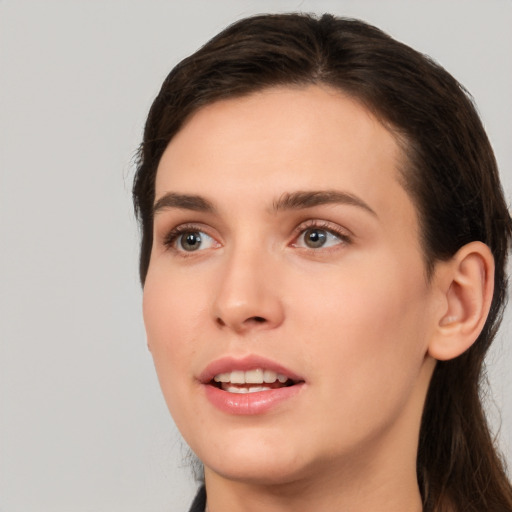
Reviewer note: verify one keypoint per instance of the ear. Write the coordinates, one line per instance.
(467, 284)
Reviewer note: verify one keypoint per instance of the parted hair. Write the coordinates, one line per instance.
(448, 169)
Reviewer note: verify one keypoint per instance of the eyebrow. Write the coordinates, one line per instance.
(289, 201)
(184, 202)
(308, 199)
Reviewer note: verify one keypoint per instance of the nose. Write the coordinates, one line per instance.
(247, 296)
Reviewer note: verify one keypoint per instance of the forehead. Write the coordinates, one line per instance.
(282, 139)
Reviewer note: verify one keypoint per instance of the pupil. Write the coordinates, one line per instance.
(315, 238)
(191, 241)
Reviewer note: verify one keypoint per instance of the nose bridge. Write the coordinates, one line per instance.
(246, 297)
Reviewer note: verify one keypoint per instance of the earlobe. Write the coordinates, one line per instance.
(468, 285)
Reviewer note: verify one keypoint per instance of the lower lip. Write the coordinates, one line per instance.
(259, 402)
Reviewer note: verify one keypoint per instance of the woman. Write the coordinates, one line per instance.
(324, 240)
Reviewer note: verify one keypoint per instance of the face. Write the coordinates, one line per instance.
(286, 304)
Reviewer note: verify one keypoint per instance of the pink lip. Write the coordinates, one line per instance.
(247, 403)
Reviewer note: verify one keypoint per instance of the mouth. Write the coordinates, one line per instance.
(251, 385)
(251, 381)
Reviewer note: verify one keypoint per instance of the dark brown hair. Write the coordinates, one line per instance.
(449, 170)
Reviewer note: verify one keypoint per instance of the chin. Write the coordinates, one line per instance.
(255, 461)
(260, 474)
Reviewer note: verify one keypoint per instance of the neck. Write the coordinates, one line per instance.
(335, 490)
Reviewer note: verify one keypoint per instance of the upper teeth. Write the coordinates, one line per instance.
(257, 376)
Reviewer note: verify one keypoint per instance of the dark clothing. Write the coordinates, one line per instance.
(199, 501)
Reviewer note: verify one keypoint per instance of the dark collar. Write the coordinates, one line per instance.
(199, 502)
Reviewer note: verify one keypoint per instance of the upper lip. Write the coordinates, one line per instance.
(251, 362)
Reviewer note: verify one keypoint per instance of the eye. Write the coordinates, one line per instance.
(314, 238)
(319, 237)
(191, 241)
(185, 239)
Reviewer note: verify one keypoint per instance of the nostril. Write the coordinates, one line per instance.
(240, 323)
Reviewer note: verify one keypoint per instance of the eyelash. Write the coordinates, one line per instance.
(342, 234)
(172, 237)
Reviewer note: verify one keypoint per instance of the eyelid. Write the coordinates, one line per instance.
(171, 237)
(344, 234)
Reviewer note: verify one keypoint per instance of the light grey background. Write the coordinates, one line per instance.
(82, 424)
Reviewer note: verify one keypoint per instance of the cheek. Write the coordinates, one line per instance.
(370, 329)
(371, 361)
(172, 308)
(172, 319)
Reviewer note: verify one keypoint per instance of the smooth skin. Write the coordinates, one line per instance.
(335, 291)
